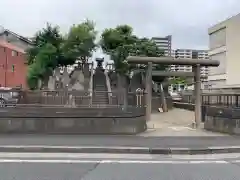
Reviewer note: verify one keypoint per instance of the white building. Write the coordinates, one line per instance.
(224, 45)
(189, 54)
(164, 43)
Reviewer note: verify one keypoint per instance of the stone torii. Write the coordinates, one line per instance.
(195, 63)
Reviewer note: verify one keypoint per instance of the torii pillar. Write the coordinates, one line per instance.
(195, 63)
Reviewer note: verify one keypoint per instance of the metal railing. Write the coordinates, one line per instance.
(54, 98)
(91, 83)
(229, 100)
(68, 98)
(108, 86)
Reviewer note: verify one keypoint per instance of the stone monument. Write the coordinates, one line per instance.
(100, 63)
(63, 79)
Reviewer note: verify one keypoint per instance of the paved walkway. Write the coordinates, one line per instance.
(176, 122)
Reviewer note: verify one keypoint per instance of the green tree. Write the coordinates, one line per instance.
(52, 50)
(120, 42)
(80, 41)
(44, 56)
(178, 80)
(49, 35)
(42, 68)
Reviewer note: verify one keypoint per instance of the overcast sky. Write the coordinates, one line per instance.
(186, 20)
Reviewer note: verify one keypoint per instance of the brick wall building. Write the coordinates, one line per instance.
(13, 67)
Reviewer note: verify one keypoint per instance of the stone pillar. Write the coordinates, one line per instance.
(197, 94)
(148, 90)
(163, 99)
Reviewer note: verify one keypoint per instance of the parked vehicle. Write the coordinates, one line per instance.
(8, 97)
(176, 96)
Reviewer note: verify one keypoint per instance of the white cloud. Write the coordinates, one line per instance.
(186, 20)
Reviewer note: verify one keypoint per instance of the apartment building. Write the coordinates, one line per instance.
(224, 44)
(164, 43)
(189, 54)
(13, 66)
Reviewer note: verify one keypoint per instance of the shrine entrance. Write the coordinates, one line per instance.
(196, 65)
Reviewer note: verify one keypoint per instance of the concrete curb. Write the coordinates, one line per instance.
(119, 150)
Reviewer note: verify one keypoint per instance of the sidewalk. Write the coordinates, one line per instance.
(176, 122)
(168, 133)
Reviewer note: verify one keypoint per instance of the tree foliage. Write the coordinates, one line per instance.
(80, 41)
(49, 35)
(178, 80)
(43, 65)
(52, 49)
(120, 42)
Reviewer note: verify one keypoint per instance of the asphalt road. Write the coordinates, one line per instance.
(129, 141)
(118, 167)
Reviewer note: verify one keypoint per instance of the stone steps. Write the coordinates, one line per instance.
(100, 94)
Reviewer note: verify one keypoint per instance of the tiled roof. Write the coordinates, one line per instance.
(19, 36)
(11, 46)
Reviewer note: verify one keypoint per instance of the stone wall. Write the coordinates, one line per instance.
(182, 105)
(217, 118)
(222, 119)
(55, 120)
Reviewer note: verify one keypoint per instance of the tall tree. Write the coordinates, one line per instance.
(45, 62)
(120, 42)
(48, 35)
(44, 56)
(52, 50)
(80, 41)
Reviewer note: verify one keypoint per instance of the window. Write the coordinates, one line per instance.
(14, 53)
(194, 55)
(13, 68)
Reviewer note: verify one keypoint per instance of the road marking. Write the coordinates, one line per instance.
(118, 156)
(162, 162)
(76, 155)
(72, 147)
(207, 156)
(56, 161)
(235, 161)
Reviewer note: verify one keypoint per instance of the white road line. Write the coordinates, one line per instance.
(235, 161)
(163, 162)
(76, 155)
(106, 161)
(206, 156)
(73, 147)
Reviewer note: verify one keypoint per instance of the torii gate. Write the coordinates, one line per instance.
(195, 63)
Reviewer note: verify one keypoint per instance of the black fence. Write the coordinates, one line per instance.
(228, 100)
